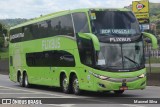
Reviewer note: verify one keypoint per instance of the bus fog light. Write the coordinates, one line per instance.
(101, 85)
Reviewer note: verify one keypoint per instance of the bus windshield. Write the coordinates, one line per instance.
(114, 23)
(126, 56)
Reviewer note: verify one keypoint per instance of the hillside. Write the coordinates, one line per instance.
(154, 8)
(12, 22)
(154, 12)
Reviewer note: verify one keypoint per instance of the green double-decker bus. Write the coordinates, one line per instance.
(83, 49)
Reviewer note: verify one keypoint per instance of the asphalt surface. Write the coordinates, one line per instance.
(9, 89)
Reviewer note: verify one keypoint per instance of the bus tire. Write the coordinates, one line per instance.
(75, 85)
(118, 92)
(26, 82)
(21, 80)
(64, 84)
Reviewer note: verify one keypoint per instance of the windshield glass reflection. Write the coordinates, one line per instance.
(114, 23)
(121, 56)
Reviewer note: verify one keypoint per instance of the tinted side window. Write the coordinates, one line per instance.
(62, 25)
(86, 53)
(27, 33)
(80, 22)
(39, 30)
(50, 58)
(43, 29)
(56, 26)
(16, 35)
(11, 61)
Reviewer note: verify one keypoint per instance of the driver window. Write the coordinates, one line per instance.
(85, 51)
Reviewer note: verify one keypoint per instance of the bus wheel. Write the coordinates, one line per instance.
(21, 80)
(64, 84)
(75, 85)
(118, 92)
(26, 83)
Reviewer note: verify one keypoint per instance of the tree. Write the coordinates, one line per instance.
(3, 33)
(158, 28)
(1, 42)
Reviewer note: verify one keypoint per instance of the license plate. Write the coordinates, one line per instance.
(123, 88)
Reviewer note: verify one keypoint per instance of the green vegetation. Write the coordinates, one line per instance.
(3, 55)
(3, 33)
(153, 60)
(3, 42)
(12, 22)
(154, 12)
(155, 15)
(153, 70)
(154, 9)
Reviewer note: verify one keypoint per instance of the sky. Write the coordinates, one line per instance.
(34, 8)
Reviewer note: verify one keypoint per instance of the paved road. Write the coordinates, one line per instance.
(10, 89)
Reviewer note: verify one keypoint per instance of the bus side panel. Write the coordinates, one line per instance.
(15, 60)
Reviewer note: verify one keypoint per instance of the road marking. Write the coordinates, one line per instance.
(37, 97)
(62, 105)
(36, 92)
(45, 97)
(19, 93)
(4, 89)
(18, 89)
(6, 78)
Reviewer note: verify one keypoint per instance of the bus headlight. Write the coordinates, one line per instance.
(142, 76)
(103, 77)
(99, 76)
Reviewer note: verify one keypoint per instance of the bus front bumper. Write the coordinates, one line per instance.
(108, 85)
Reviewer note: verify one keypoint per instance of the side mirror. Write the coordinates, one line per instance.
(94, 39)
(152, 38)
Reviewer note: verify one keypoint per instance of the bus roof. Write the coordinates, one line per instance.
(52, 15)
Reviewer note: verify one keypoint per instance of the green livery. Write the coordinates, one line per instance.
(84, 49)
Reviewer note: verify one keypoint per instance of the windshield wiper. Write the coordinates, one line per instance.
(132, 61)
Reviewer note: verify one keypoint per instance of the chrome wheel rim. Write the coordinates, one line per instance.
(65, 84)
(20, 80)
(75, 85)
(26, 81)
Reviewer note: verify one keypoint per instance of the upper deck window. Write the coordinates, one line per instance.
(80, 22)
(114, 23)
(61, 25)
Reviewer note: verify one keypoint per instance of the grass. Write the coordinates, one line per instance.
(153, 70)
(4, 54)
(153, 60)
